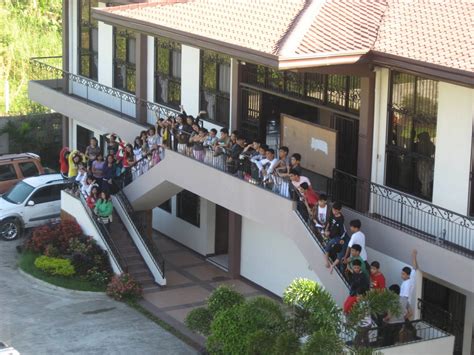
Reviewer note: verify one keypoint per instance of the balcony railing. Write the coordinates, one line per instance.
(47, 71)
(415, 216)
(390, 335)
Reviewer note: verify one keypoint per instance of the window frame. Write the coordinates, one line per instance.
(89, 26)
(118, 63)
(12, 169)
(214, 92)
(405, 153)
(20, 165)
(168, 76)
(184, 199)
(49, 199)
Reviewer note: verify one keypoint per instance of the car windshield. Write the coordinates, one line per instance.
(18, 193)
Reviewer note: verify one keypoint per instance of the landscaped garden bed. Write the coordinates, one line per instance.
(62, 255)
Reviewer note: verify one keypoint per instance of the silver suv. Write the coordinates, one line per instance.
(29, 203)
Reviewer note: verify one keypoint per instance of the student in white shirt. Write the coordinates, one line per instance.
(321, 213)
(297, 180)
(357, 237)
(409, 277)
(267, 166)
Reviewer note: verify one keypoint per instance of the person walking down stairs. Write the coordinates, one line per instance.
(104, 209)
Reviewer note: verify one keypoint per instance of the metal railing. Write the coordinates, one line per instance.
(139, 227)
(126, 105)
(103, 231)
(420, 218)
(392, 335)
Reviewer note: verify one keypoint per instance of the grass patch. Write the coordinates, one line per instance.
(26, 263)
(138, 307)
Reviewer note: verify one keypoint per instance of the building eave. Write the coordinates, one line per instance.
(319, 60)
(438, 72)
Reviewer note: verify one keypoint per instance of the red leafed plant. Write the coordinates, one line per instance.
(56, 235)
(124, 288)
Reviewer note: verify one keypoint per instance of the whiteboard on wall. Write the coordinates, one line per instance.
(315, 143)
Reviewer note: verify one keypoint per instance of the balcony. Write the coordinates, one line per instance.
(80, 97)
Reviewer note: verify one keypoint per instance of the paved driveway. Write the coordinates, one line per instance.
(37, 319)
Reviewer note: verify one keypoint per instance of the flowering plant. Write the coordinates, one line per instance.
(124, 288)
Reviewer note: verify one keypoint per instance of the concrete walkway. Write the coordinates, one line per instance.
(190, 280)
(37, 319)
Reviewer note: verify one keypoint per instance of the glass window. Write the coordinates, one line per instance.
(215, 86)
(88, 39)
(166, 206)
(29, 169)
(168, 72)
(124, 60)
(188, 207)
(7, 172)
(45, 194)
(18, 193)
(411, 141)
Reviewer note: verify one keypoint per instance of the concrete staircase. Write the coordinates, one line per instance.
(136, 265)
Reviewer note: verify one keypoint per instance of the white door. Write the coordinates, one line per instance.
(43, 205)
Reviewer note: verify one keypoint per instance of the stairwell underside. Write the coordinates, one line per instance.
(177, 172)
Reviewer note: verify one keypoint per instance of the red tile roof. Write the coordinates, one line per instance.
(437, 32)
(432, 31)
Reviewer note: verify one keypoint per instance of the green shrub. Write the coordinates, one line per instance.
(98, 277)
(240, 328)
(223, 298)
(55, 266)
(199, 320)
(286, 343)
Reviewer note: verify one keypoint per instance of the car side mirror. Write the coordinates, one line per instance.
(30, 203)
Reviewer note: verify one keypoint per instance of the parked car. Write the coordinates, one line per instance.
(30, 203)
(7, 350)
(16, 167)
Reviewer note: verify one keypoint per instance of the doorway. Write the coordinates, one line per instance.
(83, 137)
(445, 309)
(221, 241)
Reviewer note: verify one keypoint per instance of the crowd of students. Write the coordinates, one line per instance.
(253, 161)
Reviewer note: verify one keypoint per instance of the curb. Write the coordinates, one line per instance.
(58, 288)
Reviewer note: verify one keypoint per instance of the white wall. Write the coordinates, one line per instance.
(270, 259)
(382, 76)
(441, 346)
(73, 36)
(453, 147)
(200, 239)
(150, 89)
(106, 52)
(190, 77)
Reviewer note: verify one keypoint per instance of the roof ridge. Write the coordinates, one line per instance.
(298, 28)
(382, 19)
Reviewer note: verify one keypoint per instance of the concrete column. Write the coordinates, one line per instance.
(234, 93)
(105, 55)
(366, 136)
(141, 76)
(453, 147)
(235, 243)
(66, 54)
(380, 124)
(190, 79)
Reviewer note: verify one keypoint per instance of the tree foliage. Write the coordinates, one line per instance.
(28, 28)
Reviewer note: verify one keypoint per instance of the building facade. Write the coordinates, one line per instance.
(403, 122)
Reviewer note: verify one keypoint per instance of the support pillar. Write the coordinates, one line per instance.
(141, 76)
(235, 243)
(366, 138)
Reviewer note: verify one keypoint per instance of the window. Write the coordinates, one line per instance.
(411, 140)
(47, 194)
(167, 72)
(83, 138)
(124, 60)
(188, 207)
(29, 169)
(88, 39)
(339, 91)
(166, 206)
(18, 193)
(215, 86)
(7, 172)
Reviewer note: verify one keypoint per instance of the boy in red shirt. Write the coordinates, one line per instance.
(377, 280)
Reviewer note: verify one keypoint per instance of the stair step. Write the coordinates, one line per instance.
(141, 274)
(137, 268)
(133, 258)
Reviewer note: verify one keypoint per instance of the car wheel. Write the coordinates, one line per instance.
(10, 229)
